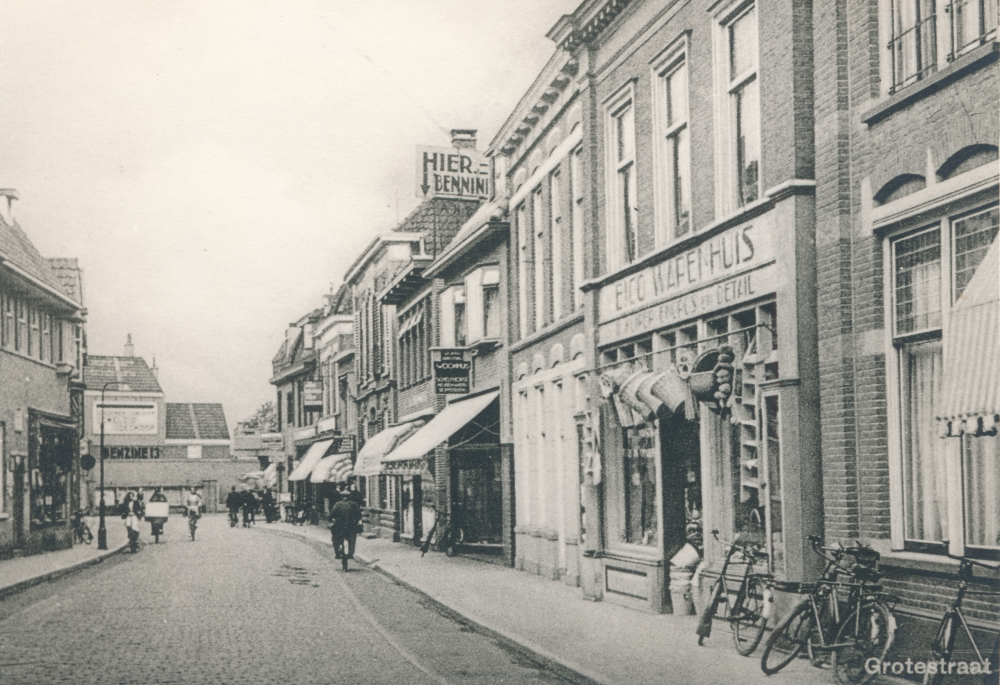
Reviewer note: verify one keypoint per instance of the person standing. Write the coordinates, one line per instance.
(130, 512)
(233, 504)
(248, 504)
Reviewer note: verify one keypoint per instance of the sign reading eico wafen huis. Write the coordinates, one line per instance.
(731, 267)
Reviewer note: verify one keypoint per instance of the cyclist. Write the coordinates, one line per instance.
(233, 502)
(193, 504)
(345, 517)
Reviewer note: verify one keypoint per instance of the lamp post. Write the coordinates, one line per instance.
(102, 531)
(279, 467)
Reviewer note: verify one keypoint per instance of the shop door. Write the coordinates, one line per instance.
(477, 499)
(681, 450)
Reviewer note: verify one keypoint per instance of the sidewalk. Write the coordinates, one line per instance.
(600, 641)
(20, 573)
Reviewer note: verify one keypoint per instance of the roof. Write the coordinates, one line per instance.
(16, 248)
(69, 275)
(196, 421)
(99, 370)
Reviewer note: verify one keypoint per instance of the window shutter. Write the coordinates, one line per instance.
(474, 305)
(448, 318)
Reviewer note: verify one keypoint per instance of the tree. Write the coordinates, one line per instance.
(264, 420)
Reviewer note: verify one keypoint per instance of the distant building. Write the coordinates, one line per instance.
(41, 345)
(151, 443)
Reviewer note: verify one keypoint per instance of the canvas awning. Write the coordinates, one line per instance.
(332, 469)
(369, 461)
(309, 461)
(972, 355)
(266, 478)
(441, 427)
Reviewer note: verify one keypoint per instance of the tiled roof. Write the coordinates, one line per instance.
(100, 370)
(442, 215)
(67, 272)
(19, 250)
(198, 421)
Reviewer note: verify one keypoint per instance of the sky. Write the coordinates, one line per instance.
(217, 165)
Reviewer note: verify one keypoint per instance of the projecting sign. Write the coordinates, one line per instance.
(452, 172)
(341, 444)
(452, 373)
(121, 418)
(312, 395)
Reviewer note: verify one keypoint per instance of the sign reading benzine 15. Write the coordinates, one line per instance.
(125, 418)
(452, 373)
(452, 172)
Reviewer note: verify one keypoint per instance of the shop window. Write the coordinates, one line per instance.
(926, 35)
(772, 449)
(50, 469)
(641, 452)
(930, 268)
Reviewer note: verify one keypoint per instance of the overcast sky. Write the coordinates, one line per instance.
(217, 165)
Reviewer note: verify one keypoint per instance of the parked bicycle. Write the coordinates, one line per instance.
(943, 646)
(449, 538)
(745, 602)
(81, 531)
(864, 629)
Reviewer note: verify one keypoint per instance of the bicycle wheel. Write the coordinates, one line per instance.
(704, 628)
(749, 620)
(88, 537)
(867, 633)
(788, 639)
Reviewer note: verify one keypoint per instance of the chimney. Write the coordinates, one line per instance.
(129, 348)
(156, 371)
(7, 197)
(463, 138)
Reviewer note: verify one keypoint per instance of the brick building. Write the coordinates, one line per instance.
(41, 394)
(906, 221)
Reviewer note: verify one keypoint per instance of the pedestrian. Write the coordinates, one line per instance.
(130, 514)
(247, 503)
(270, 511)
(345, 520)
(233, 503)
(356, 496)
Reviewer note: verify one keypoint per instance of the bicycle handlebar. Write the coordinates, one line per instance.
(748, 548)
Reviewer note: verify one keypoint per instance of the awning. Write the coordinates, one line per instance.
(972, 355)
(369, 461)
(441, 427)
(266, 478)
(332, 469)
(309, 461)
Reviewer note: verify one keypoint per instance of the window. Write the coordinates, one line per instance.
(930, 269)
(738, 150)
(641, 449)
(8, 321)
(524, 264)
(543, 263)
(674, 152)
(925, 35)
(45, 349)
(412, 350)
(556, 229)
(491, 309)
(623, 238)
(34, 334)
(576, 234)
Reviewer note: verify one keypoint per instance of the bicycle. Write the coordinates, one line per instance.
(867, 630)
(943, 646)
(749, 608)
(192, 522)
(81, 531)
(448, 541)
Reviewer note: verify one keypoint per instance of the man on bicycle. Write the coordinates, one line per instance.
(193, 504)
(345, 517)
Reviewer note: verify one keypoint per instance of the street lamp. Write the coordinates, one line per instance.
(102, 531)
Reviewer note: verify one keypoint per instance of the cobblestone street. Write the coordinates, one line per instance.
(239, 606)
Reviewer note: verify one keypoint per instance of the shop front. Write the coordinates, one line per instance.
(50, 474)
(381, 488)
(470, 429)
(703, 421)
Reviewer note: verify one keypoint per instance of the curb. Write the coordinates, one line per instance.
(59, 573)
(563, 668)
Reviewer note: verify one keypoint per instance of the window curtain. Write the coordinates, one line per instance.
(981, 471)
(924, 468)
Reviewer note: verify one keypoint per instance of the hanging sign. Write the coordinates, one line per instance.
(452, 373)
(341, 444)
(312, 395)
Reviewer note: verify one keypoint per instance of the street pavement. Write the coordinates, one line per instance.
(271, 604)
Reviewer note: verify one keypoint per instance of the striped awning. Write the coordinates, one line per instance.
(333, 469)
(370, 456)
(309, 461)
(441, 427)
(972, 355)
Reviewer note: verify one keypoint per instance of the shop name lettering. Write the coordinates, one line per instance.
(728, 292)
(454, 174)
(712, 258)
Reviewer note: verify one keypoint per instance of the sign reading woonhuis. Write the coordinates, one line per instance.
(452, 372)
(726, 269)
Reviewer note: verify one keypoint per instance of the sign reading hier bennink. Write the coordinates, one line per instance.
(452, 172)
(452, 373)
